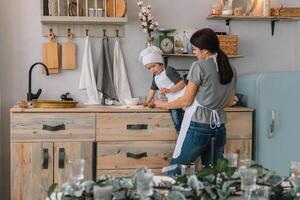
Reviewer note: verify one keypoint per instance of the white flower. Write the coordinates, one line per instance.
(140, 3)
(147, 11)
(146, 18)
(150, 17)
(143, 10)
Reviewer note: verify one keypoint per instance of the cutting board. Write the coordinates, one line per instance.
(120, 6)
(69, 54)
(51, 54)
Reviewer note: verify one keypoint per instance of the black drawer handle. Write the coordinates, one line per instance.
(54, 128)
(136, 156)
(137, 126)
(45, 158)
(61, 158)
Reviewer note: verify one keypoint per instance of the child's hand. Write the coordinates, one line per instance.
(164, 91)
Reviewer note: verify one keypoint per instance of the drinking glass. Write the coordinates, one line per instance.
(248, 179)
(144, 182)
(232, 159)
(261, 193)
(188, 169)
(295, 175)
(162, 97)
(76, 170)
(246, 163)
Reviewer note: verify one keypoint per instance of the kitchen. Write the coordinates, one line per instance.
(21, 43)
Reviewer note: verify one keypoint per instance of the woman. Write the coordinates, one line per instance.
(209, 90)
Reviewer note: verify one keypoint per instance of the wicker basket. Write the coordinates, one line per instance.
(229, 44)
(286, 11)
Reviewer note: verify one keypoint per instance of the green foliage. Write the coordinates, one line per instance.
(51, 189)
(215, 182)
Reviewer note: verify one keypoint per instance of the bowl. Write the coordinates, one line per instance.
(131, 101)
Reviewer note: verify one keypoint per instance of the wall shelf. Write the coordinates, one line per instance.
(193, 55)
(252, 18)
(75, 16)
(272, 19)
(82, 20)
(166, 56)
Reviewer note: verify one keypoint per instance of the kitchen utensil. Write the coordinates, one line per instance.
(63, 8)
(69, 53)
(51, 54)
(115, 8)
(73, 9)
(52, 7)
(53, 104)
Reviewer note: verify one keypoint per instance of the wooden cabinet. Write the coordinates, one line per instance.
(127, 141)
(113, 141)
(31, 174)
(42, 144)
(239, 132)
(35, 166)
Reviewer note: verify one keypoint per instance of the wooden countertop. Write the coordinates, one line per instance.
(107, 109)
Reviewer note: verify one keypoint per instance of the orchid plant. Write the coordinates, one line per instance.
(147, 20)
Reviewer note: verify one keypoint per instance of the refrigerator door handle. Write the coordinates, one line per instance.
(271, 125)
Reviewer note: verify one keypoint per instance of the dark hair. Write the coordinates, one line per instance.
(207, 39)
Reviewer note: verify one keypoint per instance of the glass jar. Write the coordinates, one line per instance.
(91, 12)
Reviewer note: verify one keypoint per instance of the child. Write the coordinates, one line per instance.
(165, 79)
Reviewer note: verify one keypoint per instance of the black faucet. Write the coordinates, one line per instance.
(31, 96)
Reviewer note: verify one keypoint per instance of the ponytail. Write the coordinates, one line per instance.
(207, 39)
(224, 67)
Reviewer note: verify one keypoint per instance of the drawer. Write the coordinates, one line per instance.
(131, 155)
(135, 126)
(243, 147)
(123, 172)
(239, 125)
(52, 126)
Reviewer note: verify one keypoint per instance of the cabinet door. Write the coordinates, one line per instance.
(243, 147)
(31, 170)
(64, 151)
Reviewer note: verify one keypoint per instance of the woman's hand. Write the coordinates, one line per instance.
(161, 104)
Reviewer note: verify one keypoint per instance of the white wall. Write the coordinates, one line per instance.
(20, 46)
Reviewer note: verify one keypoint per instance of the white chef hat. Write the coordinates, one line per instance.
(151, 54)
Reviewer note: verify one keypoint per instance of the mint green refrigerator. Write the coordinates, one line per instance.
(276, 100)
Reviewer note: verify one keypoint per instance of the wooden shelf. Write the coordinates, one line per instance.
(272, 19)
(253, 18)
(82, 20)
(193, 55)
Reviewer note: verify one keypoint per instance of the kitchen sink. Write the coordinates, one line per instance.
(53, 104)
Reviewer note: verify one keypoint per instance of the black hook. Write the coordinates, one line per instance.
(104, 32)
(69, 30)
(51, 30)
(86, 32)
(117, 32)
